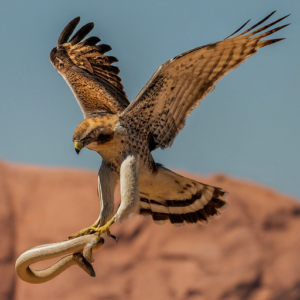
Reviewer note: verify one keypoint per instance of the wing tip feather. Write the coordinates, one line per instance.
(100, 64)
(67, 31)
(238, 29)
(82, 33)
(257, 24)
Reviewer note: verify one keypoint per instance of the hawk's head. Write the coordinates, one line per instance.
(94, 131)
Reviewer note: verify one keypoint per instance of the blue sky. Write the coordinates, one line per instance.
(248, 127)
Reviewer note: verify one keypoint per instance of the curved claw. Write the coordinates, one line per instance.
(81, 250)
(93, 229)
(114, 237)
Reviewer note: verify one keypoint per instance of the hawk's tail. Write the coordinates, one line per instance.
(169, 196)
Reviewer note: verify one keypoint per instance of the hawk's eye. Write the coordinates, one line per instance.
(104, 137)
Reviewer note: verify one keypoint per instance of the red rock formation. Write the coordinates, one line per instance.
(250, 252)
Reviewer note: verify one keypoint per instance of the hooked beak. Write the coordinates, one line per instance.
(78, 146)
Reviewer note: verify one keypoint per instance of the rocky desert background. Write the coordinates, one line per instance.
(251, 252)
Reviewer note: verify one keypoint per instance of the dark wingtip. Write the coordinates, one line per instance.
(271, 14)
(270, 42)
(103, 48)
(68, 30)
(82, 33)
(257, 24)
(238, 29)
(91, 41)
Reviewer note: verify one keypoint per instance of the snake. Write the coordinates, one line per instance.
(80, 252)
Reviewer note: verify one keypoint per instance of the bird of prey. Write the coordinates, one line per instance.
(125, 133)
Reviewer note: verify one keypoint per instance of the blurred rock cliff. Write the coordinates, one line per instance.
(251, 252)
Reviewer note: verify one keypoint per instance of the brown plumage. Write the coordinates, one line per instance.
(88, 71)
(124, 133)
(179, 85)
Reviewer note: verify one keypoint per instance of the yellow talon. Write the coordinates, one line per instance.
(104, 228)
(93, 229)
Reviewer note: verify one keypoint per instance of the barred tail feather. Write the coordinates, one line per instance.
(169, 196)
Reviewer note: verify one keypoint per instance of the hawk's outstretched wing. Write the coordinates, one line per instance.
(88, 71)
(159, 111)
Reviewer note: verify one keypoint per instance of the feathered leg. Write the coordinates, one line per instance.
(129, 194)
(107, 181)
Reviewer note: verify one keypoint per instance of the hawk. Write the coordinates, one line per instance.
(125, 133)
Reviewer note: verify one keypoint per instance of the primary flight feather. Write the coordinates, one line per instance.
(125, 133)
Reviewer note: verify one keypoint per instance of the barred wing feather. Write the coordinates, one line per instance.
(92, 78)
(159, 111)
